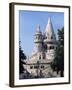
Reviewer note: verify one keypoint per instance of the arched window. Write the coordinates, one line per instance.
(36, 37)
(36, 67)
(56, 47)
(51, 37)
(43, 56)
(46, 37)
(51, 47)
(31, 67)
(40, 57)
(42, 66)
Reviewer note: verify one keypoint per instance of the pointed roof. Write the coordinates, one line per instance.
(49, 27)
(38, 29)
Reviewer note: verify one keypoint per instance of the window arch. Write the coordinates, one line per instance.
(31, 67)
(51, 47)
(46, 37)
(42, 66)
(40, 57)
(43, 56)
(51, 37)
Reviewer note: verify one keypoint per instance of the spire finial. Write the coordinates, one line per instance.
(49, 20)
(49, 27)
(49, 32)
(38, 29)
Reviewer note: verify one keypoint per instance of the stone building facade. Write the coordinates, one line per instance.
(43, 53)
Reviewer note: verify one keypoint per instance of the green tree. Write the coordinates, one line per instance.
(58, 63)
(22, 57)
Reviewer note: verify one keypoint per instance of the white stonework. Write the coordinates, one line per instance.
(43, 53)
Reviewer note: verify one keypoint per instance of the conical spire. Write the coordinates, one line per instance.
(49, 27)
(38, 29)
(49, 32)
(38, 35)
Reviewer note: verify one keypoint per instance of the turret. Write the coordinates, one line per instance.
(50, 40)
(38, 39)
(49, 32)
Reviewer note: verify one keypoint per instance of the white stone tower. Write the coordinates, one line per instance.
(43, 52)
(50, 40)
(38, 42)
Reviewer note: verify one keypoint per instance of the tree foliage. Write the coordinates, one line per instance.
(22, 57)
(58, 63)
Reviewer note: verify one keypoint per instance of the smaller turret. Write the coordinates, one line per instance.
(38, 35)
(38, 39)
